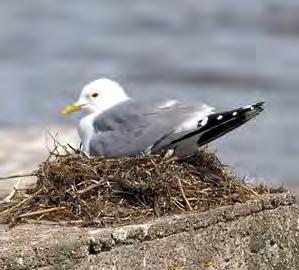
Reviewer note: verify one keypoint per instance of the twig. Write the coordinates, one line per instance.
(18, 205)
(178, 204)
(51, 153)
(45, 211)
(90, 187)
(183, 194)
(246, 188)
(75, 150)
(17, 176)
(56, 142)
(122, 182)
(11, 194)
(71, 222)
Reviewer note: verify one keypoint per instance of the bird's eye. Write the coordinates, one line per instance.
(94, 95)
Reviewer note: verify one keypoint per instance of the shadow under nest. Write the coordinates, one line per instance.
(103, 192)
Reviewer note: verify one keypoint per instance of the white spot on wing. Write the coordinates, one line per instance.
(248, 107)
(220, 117)
(235, 113)
(204, 121)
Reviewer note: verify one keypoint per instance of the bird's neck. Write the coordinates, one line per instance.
(109, 104)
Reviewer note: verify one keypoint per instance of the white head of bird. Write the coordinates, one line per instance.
(98, 96)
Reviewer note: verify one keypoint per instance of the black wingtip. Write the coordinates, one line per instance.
(255, 108)
(259, 106)
(218, 124)
(221, 123)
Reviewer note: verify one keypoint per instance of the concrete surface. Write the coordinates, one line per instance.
(260, 234)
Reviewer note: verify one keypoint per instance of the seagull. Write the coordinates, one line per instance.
(115, 125)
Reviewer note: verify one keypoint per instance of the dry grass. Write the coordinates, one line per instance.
(104, 192)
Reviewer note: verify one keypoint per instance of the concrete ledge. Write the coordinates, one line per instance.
(260, 234)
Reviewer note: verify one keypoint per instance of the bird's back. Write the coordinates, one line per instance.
(131, 128)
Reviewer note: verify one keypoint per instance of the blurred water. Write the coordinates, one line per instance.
(226, 53)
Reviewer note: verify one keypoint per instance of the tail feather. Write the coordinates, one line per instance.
(217, 124)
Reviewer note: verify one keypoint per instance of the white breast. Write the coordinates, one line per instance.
(86, 130)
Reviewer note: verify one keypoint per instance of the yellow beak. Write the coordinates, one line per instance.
(72, 108)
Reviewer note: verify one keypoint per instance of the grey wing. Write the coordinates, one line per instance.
(213, 126)
(131, 129)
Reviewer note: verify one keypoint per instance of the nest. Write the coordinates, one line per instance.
(103, 192)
